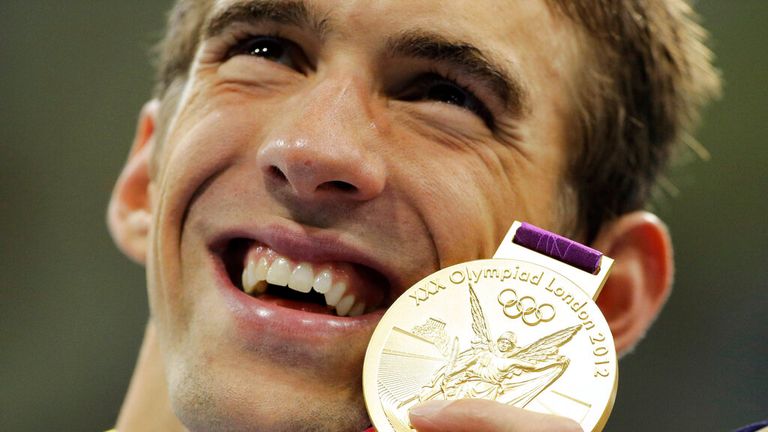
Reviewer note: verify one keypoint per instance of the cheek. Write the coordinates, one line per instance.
(470, 195)
(201, 145)
(454, 193)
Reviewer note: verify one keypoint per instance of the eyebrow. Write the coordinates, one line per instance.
(467, 57)
(296, 13)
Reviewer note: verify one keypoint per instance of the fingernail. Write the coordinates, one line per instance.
(430, 408)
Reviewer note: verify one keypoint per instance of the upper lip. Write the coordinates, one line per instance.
(313, 245)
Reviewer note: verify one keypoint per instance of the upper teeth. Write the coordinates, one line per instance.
(302, 277)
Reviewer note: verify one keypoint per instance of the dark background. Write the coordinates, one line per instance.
(73, 76)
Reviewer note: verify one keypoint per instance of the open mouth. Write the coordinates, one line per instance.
(333, 288)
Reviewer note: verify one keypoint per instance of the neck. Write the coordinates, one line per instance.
(147, 406)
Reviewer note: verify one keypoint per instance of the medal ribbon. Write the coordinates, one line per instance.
(558, 247)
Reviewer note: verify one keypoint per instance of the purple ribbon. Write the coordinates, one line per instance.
(558, 247)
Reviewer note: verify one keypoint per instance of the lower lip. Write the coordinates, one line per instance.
(257, 318)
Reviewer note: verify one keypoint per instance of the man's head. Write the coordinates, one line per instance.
(370, 144)
(643, 77)
(506, 341)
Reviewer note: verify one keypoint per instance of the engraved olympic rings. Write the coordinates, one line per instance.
(525, 308)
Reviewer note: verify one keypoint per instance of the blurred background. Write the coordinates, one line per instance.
(73, 77)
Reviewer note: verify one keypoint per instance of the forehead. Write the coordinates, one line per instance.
(494, 25)
(393, 11)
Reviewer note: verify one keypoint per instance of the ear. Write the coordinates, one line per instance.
(641, 278)
(129, 214)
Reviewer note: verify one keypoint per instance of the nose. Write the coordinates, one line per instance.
(326, 147)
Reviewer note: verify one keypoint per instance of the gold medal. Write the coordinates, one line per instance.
(521, 328)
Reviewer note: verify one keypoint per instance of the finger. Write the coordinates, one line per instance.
(479, 415)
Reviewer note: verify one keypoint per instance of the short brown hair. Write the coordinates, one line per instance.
(646, 75)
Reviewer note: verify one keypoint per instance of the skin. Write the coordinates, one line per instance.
(431, 185)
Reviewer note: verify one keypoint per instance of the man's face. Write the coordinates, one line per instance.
(504, 345)
(369, 143)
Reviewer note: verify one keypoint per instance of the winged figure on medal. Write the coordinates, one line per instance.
(422, 364)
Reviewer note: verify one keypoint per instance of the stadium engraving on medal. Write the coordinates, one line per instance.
(508, 330)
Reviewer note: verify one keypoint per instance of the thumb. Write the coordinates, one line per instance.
(480, 415)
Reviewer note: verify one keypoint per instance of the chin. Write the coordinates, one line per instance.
(220, 396)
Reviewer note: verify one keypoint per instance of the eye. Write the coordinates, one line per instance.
(272, 48)
(434, 87)
(447, 93)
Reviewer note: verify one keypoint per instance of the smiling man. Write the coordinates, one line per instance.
(304, 162)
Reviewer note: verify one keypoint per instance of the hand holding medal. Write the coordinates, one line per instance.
(521, 329)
